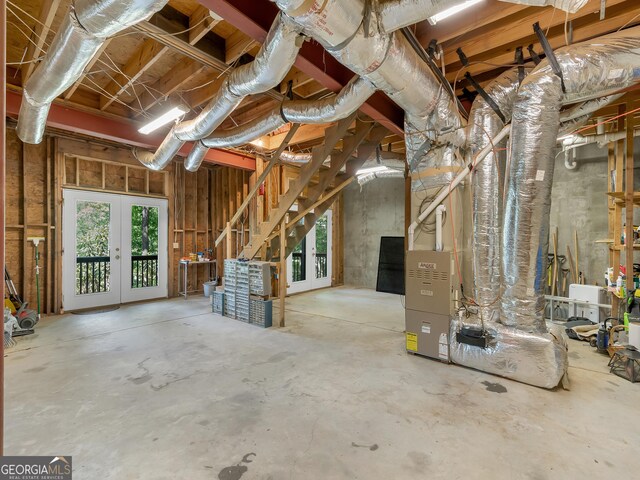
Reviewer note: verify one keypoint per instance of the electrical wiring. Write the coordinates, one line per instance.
(166, 34)
(629, 22)
(604, 122)
(35, 60)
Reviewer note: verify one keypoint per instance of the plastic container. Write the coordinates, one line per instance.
(209, 288)
(634, 334)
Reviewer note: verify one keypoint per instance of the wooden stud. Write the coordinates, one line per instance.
(629, 204)
(282, 279)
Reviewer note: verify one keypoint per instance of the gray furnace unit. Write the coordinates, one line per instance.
(431, 299)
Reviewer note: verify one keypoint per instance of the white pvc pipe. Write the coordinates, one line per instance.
(456, 181)
(439, 243)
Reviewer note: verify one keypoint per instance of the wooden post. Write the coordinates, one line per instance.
(229, 242)
(282, 281)
(3, 124)
(629, 200)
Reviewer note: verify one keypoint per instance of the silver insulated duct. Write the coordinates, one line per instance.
(355, 36)
(591, 69)
(487, 187)
(84, 29)
(271, 64)
(330, 109)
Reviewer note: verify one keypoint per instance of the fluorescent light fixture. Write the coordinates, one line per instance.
(452, 11)
(364, 171)
(163, 119)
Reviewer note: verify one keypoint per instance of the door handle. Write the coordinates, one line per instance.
(117, 257)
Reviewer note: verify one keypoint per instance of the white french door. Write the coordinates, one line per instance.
(309, 266)
(115, 249)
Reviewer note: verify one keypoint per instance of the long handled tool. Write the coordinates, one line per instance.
(36, 241)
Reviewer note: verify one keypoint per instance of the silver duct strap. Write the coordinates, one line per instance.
(84, 29)
(271, 64)
(487, 187)
(589, 70)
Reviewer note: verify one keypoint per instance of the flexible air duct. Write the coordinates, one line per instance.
(330, 109)
(271, 64)
(590, 69)
(387, 159)
(487, 187)
(570, 6)
(84, 29)
(370, 177)
(355, 37)
(395, 14)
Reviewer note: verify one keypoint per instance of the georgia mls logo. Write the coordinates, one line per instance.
(35, 468)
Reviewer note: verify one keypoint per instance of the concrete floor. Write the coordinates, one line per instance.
(166, 390)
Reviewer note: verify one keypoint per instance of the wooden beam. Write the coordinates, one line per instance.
(237, 45)
(40, 32)
(180, 74)
(282, 274)
(297, 78)
(201, 21)
(147, 54)
(305, 133)
(586, 26)
(88, 68)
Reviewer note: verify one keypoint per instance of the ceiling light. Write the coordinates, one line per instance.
(452, 11)
(163, 119)
(378, 169)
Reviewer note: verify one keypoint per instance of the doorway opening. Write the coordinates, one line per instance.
(115, 249)
(309, 265)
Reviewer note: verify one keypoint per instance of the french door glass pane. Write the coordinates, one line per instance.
(321, 247)
(144, 246)
(299, 262)
(93, 238)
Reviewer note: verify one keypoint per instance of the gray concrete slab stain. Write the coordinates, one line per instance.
(373, 447)
(235, 472)
(495, 387)
(146, 375)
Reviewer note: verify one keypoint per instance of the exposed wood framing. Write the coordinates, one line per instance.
(39, 37)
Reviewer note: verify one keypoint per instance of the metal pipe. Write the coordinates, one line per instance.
(456, 181)
(439, 243)
(269, 67)
(84, 29)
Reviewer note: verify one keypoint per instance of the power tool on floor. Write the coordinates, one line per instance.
(26, 317)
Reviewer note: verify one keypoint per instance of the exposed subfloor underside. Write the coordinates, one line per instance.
(167, 390)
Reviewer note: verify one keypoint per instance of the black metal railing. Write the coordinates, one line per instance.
(92, 274)
(144, 271)
(298, 267)
(321, 265)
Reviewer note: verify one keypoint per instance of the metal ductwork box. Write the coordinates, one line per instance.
(431, 298)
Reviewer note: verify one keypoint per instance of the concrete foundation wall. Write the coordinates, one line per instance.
(376, 211)
(579, 202)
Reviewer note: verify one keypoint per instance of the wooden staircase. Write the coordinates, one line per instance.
(311, 208)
